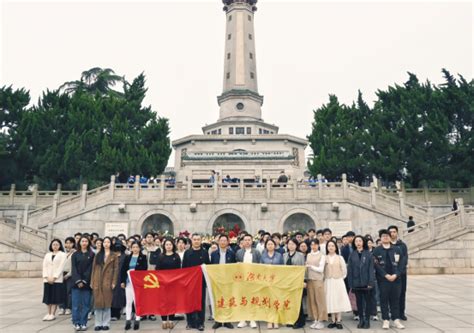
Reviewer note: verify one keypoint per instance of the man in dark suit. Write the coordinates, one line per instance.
(196, 256)
(223, 255)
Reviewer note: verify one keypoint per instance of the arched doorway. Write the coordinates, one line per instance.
(298, 221)
(228, 221)
(159, 223)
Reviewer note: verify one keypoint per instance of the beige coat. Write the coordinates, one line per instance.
(103, 276)
(54, 267)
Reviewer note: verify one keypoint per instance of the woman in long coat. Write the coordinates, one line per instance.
(104, 277)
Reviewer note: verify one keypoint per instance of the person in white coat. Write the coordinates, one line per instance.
(53, 268)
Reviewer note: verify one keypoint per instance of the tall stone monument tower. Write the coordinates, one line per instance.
(240, 143)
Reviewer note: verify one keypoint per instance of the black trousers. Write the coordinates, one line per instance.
(403, 294)
(364, 299)
(390, 298)
(196, 319)
(301, 321)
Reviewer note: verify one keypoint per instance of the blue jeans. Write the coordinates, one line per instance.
(81, 301)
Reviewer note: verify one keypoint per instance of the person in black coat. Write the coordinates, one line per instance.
(361, 278)
(387, 259)
(393, 230)
(196, 256)
(223, 255)
(118, 299)
(169, 259)
(81, 271)
(135, 261)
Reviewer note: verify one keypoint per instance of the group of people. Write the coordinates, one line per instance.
(89, 274)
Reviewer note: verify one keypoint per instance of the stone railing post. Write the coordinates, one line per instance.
(373, 195)
(344, 185)
(35, 194)
(58, 191)
(462, 214)
(55, 206)
(83, 196)
(137, 187)
(25, 214)
(112, 187)
(320, 186)
(17, 228)
(401, 200)
(162, 187)
(269, 187)
(241, 185)
(12, 194)
(49, 233)
(425, 193)
(189, 187)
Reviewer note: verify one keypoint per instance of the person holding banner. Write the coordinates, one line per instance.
(337, 300)
(223, 255)
(293, 257)
(169, 259)
(247, 254)
(134, 261)
(271, 257)
(196, 256)
(315, 263)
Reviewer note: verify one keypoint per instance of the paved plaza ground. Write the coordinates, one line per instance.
(436, 303)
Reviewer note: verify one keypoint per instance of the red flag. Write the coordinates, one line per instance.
(168, 291)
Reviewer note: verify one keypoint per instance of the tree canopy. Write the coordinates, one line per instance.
(418, 133)
(82, 132)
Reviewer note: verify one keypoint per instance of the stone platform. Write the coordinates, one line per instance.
(436, 303)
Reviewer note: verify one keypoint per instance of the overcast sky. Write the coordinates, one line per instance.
(305, 51)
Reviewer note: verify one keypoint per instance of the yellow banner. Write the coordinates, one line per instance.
(270, 293)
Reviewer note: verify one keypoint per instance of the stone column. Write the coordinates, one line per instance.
(12, 194)
(83, 196)
(344, 185)
(137, 187)
(35, 194)
(216, 187)
(55, 206)
(58, 191)
(320, 186)
(241, 185)
(112, 187)
(401, 199)
(462, 215)
(373, 195)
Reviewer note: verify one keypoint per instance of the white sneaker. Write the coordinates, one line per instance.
(313, 325)
(375, 318)
(52, 317)
(398, 324)
(386, 325)
(68, 312)
(242, 324)
(77, 327)
(356, 318)
(319, 326)
(46, 318)
(83, 328)
(62, 312)
(253, 324)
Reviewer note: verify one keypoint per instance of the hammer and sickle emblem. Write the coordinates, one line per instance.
(152, 281)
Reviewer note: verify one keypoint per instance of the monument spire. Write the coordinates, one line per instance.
(240, 98)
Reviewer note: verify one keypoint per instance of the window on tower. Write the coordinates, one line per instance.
(251, 55)
(249, 17)
(227, 76)
(228, 55)
(249, 130)
(228, 36)
(231, 130)
(252, 75)
(250, 36)
(230, 17)
(240, 130)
